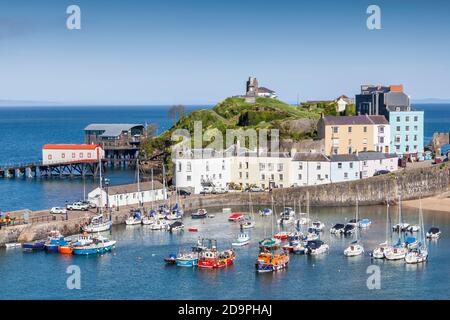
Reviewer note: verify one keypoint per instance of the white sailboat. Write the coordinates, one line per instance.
(99, 223)
(398, 251)
(150, 217)
(378, 252)
(420, 253)
(135, 217)
(355, 249)
(249, 222)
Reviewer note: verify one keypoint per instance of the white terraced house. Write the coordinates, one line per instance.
(197, 168)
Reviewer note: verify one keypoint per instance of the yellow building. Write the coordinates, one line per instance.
(347, 135)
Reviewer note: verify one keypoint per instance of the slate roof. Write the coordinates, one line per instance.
(355, 120)
(130, 188)
(310, 156)
(112, 129)
(344, 157)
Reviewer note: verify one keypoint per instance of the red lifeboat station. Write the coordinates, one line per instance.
(71, 153)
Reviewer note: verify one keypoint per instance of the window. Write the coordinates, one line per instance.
(300, 166)
(381, 139)
(416, 118)
(63, 155)
(349, 142)
(262, 166)
(272, 177)
(319, 177)
(350, 150)
(326, 176)
(397, 139)
(416, 128)
(270, 166)
(407, 128)
(319, 166)
(407, 149)
(398, 119)
(351, 165)
(398, 128)
(365, 129)
(281, 176)
(415, 137)
(364, 163)
(335, 129)
(380, 129)
(299, 177)
(73, 155)
(345, 175)
(246, 165)
(280, 167)
(365, 149)
(189, 167)
(335, 150)
(81, 155)
(406, 138)
(240, 175)
(407, 118)
(188, 178)
(415, 147)
(263, 176)
(220, 176)
(246, 175)
(240, 165)
(365, 141)
(223, 164)
(207, 166)
(179, 166)
(339, 165)
(349, 129)
(50, 157)
(397, 147)
(356, 174)
(88, 155)
(214, 176)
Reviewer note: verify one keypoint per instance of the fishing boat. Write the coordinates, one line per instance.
(316, 247)
(98, 245)
(270, 262)
(98, 224)
(176, 226)
(235, 217)
(199, 214)
(212, 258)
(54, 241)
(135, 218)
(33, 246)
(189, 259)
(265, 212)
(434, 233)
(13, 245)
(419, 253)
(242, 240)
(378, 252)
(355, 249)
(65, 249)
(338, 228)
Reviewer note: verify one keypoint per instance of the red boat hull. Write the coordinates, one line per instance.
(212, 264)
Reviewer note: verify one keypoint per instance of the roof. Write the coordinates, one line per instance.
(310, 156)
(130, 188)
(70, 146)
(355, 120)
(343, 157)
(362, 156)
(265, 90)
(112, 129)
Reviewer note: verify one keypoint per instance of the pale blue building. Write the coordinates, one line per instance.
(406, 130)
(344, 167)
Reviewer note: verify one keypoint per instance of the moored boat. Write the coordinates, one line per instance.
(212, 258)
(265, 212)
(199, 214)
(338, 228)
(98, 224)
(176, 226)
(98, 245)
(236, 217)
(242, 240)
(270, 262)
(34, 246)
(316, 247)
(135, 218)
(187, 259)
(434, 233)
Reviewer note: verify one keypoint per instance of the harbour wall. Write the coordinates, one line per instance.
(410, 184)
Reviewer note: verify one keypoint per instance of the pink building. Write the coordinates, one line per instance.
(67, 153)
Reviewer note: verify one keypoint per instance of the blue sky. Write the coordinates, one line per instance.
(199, 52)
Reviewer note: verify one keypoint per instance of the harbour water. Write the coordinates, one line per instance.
(135, 269)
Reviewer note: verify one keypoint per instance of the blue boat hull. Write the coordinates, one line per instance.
(37, 246)
(187, 263)
(90, 251)
(51, 247)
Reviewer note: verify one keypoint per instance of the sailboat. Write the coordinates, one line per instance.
(378, 252)
(303, 220)
(355, 249)
(150, 217)
(249, 222)
(135, 217)
(420, 253)
(99, 223)
(270, 243)
(398, 251)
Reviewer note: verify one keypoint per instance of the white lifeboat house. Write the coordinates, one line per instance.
(71, 153)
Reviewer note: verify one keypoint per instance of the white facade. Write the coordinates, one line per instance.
(124, 195)
(310, 169)
(382, 138)
(341, 105)
(66, 153)
(370, 165)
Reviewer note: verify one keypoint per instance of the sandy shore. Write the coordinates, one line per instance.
(437, 203)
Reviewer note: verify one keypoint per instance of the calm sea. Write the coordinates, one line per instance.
(135, 269)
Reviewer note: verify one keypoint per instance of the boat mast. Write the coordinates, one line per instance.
(138, 182)
(357, 214)
(153, 190)
(422, 231)
(387, 219)
(101, 184)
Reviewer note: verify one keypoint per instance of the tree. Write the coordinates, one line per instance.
(176, 112)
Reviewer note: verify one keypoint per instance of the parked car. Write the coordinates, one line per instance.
(207, 190)
(183, 192)
(381, 172)
(58, 210)
(79, 206)
(90, 204)
(255, 189)
(220, 190)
